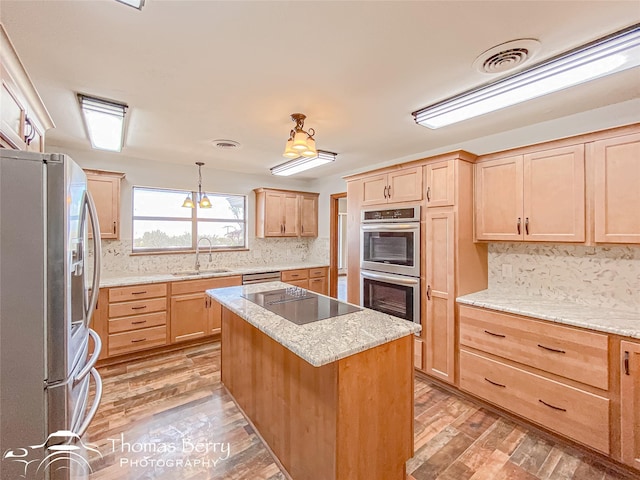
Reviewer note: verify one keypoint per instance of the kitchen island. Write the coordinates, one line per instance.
(333, 399)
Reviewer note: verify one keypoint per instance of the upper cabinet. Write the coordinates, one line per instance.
(537, 196)
(617, 189)
(439, 184)
(105, 189)
(23, 116)
(402, 185)
(285, 213)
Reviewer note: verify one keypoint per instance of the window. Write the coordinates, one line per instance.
(160, 223)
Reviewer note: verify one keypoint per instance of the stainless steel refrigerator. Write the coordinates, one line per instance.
(49, 287)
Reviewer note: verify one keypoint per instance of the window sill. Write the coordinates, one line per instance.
(186, 252)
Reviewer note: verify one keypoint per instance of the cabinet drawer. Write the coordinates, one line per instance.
(317, 272)
(137, 292)
(565, 351)
(299, 283)
(318, 285)
(127, 342)
(134, 308)
(199, 286)
(288, 275)
(135, 322)
(572, 412)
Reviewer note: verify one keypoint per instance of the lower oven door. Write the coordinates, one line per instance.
(396, 295)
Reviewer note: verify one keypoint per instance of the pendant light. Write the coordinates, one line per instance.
(203, 200)
(300, 142)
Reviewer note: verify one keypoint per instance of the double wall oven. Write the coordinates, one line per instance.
(390, 261)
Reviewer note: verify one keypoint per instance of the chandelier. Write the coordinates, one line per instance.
(300, 143)
(203, 200)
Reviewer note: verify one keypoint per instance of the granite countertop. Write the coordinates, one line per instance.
(124, 279)
(321, 342)
(619, 322)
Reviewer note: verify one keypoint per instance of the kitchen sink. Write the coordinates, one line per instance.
(188, 273)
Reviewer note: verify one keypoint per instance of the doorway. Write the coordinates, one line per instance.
(338, 247)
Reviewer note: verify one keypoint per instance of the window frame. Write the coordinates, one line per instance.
(194, 219)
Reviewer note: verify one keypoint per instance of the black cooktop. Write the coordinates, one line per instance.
(299, 305)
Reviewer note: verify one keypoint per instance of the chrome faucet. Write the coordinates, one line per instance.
(198, 251)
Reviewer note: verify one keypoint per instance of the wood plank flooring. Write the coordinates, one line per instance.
(169, 417)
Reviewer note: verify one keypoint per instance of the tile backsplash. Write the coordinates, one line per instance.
(605, 276)
(117, 258)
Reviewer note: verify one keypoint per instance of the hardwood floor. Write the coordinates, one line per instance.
(169, 417)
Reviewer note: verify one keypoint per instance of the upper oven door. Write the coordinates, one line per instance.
(392, 248)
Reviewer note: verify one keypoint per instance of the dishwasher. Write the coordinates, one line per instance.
(252, 278)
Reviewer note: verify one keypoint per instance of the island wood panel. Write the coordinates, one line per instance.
(339, 421)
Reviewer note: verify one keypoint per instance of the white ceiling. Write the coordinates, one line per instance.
(195, 71)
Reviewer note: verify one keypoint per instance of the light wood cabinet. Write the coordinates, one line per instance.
(439, 324)
(617, 189)
(308, 215)
(538, 370)
(23, 116)
(439, 184)
(284, 213)
(313, 279)
(193, 313)
(105, 189)
(137, 318)
(630, 403)
(538, 196)
(403, 185)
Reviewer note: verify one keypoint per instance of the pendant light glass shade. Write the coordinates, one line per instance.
(300, 141)
(204, 202)
(188, 203)
(310, 151)
(289, 152)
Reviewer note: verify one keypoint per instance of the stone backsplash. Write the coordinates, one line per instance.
(117, 258)
(596, 276)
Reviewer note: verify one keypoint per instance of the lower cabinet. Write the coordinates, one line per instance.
(630, 403)
(313, 279)
(137, 318)
(193, 314)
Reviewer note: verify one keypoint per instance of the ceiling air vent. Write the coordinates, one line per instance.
(507, 56)
(226, 144)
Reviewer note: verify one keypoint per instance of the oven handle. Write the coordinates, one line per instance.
(390, 227)
(389, 278)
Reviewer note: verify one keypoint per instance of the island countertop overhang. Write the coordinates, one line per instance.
(321, 342)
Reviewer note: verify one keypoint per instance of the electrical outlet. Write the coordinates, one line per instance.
(507, 270)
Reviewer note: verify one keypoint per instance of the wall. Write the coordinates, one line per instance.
(597, 276)
(116, 253)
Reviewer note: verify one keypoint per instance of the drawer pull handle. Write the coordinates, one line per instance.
(428, 292)
(552, 406)
(496, 384)
(296, 275)
(138, 308)
(552, 349)
(138, 293)
(428, 194)
(526, 225)
(495, 334)
(626, 363)
(518, 224)
(138, 322)
(139, 340)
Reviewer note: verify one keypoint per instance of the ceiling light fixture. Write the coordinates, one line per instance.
(301, 164)
(611, 54)
(104, 120)
(300, 143)
(203, 200)
(133, 3)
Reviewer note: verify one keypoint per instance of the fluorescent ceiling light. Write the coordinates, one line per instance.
(301, 164)
(104, 120)
(608, 55)
(133, 3)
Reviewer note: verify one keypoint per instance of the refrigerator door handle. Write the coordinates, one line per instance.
(97, 257)
(97, 347)
(96, 403)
